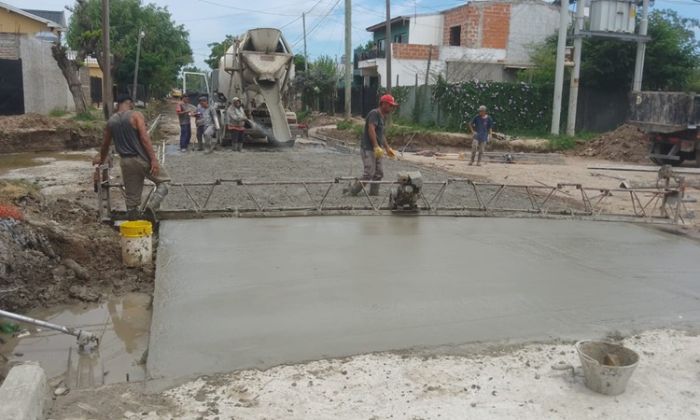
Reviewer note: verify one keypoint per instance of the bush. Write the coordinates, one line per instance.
(87, 116)
(345, 125)
(513, 106)
(304, 115)
(57, 112)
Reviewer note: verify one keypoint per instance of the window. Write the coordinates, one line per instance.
(380, 45)
(455, 36)
(400, 39)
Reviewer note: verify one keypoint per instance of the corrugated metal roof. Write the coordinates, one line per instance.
(53, 15)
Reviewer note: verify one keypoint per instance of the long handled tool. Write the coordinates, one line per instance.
(85, 338)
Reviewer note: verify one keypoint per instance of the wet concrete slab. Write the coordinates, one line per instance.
(254, 293)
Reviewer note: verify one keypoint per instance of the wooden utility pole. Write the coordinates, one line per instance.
(107, 100)
(348, 60)
(387, 46)
(576, 72)
(306, 56)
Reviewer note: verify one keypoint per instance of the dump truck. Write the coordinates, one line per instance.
(258, 68)
(671, 120)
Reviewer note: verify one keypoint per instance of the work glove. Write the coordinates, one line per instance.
(378, 152)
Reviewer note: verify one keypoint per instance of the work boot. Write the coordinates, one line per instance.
(158, 196)
(374, 189)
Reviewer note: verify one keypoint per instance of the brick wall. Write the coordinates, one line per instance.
(496, 26)
(414, 51)
(482, 25)
(9, 46)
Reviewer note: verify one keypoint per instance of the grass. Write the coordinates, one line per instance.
(303, 116)
(90, 115)
(58, 112)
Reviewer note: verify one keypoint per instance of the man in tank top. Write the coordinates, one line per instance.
(127, 130)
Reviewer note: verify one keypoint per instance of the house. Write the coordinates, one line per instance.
(482, 40)
(30, 79)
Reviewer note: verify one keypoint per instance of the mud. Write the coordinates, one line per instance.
(19, 161)
(37, 133)
(121, 323)
(59, 254)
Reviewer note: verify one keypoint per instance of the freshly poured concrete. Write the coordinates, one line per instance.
(253, 293)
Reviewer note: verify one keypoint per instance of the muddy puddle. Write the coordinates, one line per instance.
(11, 161)
(123, 325)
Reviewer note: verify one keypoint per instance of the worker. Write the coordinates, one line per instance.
(481, 127)
(210, 124)
(199, 123)
(184, 111)
(127, 128)
(374, 145)
(236, 123)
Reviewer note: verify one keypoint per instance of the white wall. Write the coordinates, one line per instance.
(45, 88)
(425, 29)
(478, 55)
(530, 23)
(407, 71)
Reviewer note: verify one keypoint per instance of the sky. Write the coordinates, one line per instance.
(211, 20)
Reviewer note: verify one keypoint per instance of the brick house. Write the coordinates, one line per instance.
(484, 40)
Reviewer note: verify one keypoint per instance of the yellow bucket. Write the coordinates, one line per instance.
(136, 229)
(137, 243)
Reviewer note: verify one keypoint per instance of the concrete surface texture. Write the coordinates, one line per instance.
(25, 394)
(254, 293)
(45, 88)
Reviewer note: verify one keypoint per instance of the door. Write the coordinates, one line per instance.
(11, 88)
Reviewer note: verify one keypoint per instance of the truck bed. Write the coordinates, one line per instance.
(665, 112)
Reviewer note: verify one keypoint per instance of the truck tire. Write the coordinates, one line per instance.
(660, 148)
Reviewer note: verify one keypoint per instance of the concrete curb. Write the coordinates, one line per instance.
(25, 393)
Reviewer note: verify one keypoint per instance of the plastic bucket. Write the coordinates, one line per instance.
(607, 367)
(137, 242)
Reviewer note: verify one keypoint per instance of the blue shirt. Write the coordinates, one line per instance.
(482, 125)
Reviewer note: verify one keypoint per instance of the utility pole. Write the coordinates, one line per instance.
(306, 57)
(387, 46)
(135, 92)
(641, 48)
(559, 71)
(576, 73)
(348, 61)
(107, 100)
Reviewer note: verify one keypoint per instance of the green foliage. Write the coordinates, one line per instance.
(299, 63)
(345, 125)
(303, 116)
(672, 57)
(319, 83)
(511, 105)
(218, 49)
(165, 48)
(87, 116)
(57, 112)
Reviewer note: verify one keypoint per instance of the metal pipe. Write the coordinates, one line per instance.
(84, 337)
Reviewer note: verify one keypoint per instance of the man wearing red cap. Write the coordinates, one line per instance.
(374, 145)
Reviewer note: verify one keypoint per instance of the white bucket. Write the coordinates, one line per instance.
(137, 242)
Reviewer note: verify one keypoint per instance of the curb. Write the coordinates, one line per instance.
(25, 393)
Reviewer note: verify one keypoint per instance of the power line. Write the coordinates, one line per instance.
(318, 23)
(213, 3)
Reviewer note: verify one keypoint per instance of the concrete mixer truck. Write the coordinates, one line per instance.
(258, 68)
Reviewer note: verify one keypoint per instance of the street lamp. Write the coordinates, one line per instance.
(136, 69)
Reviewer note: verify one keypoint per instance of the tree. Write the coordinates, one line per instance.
(164, 50)
(321, 81)
(218, 49)
(71, 67)
(672, 57)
